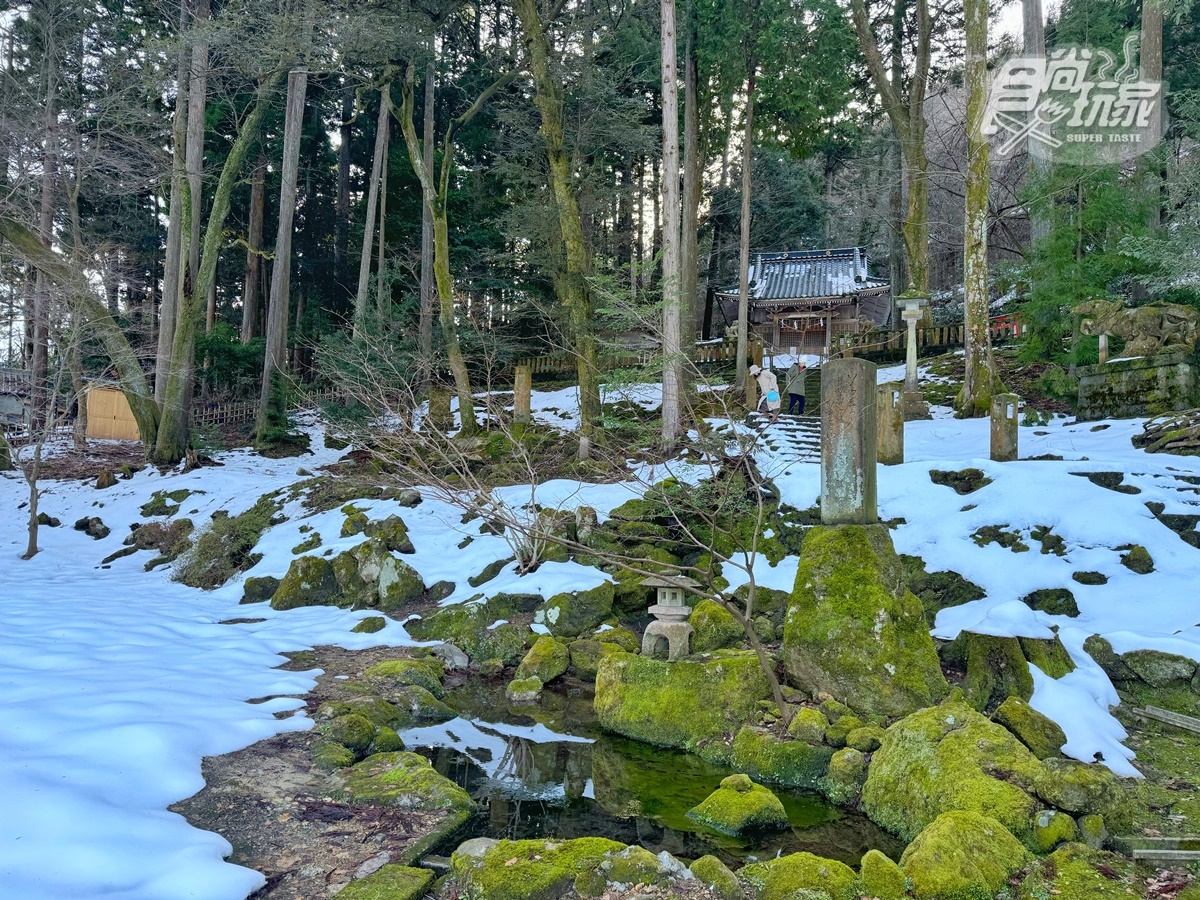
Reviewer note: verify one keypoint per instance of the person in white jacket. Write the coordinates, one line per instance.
(768, 385)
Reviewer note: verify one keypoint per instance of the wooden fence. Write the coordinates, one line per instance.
(238, 411)
(707, 353)
(1002, 328)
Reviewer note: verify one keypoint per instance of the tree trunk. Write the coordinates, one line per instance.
(743, 319)
(572, 285)
(172, 264)
(197, 103)
(1151, 63)
(341, 238)
(1035, 46)
(172, 438)
(41, 398)
(981, 379)
(425, 320)
(693, 183)
(254, 251)
(672, 285)
(364, 264)
(381, 306)
(896, 274)
(272, 404)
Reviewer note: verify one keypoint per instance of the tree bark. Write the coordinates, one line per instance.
(693, 182)
(743, 319)
(364, 263)
(1035, 46)
(254, 251)
(197, 103)
(572, 285)
(341, 239)
(672, 286)
(381, 306)
(425, 319)
(272, 404)
(1151, 64)
(981, 380)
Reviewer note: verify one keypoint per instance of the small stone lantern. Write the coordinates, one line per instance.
(671, 616)
(912, 402)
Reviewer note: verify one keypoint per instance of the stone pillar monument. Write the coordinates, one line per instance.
(1004, 427)
(440, 416)
(849, 436)
(912, 402)
(522, 393)
(891, 424)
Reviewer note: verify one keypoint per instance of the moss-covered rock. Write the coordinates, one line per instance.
(402, 779)
(1051, 828)
(374, 709)
(937, 590)
(1092, 831)
(546, 660)
(1055, 601)
(572, 614)
(427, 672)
(163, 503)
(370, 625)
(529, 870)
(392, 532)
(310, 543)
(389, 883)
(714, 874)
(1048, 655)
(1040, 734)
(881, 877)
(466, 625)
(1100, 650)
(391, 583)
(490, 571)
(866, 739)
(621, 637)
(386, 741)
(854, 630)
(943, 759)
(996, 670)
(1075, 872)
(962, 856)
(688, 704)
(837, 734)
(586, 655)
(524, 690)
(808, 725)
(418, 702)
(847, 769)
(964, 481)
(354, 732)
(716, 627)
(785, 877)
(309, 581)
(354, 523)
(763, 756)
(1138, 559)
(1160, 669)
(632, 866)
(256, 589)
(739, 805)
(1090, 578)
(330, 755)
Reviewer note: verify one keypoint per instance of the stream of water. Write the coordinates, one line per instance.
(549, 770)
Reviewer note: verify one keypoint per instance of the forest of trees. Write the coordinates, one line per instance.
(221, 199)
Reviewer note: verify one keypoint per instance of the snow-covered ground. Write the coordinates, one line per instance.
(114, 683)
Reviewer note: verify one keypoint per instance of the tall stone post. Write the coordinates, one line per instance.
(1104, 348)
(1004, 427)
(849, 436)
(440, 416)
(912, 402)
(522, 394)
(891, 424)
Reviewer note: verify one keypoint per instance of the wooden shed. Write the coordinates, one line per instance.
(108, 414)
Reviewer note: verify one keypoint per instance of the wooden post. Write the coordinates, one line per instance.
(522, 395)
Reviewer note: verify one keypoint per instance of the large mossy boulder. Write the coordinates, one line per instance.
(690, 704)
(529, 870)
(390, 583)
(310, 581)
(426, 672)
(573, 613)
(393, 532)
(1160, 669)
(546, 660)
(854, 630)
(950, 757)
(881, 877)
(715, 875)
(962, 856)
(466, 625)
(1040, 734)
(762, 755)
(739, 805)
(402, 779)
(787, 876)
(1077, 872)
(716, 627)
(996, 670)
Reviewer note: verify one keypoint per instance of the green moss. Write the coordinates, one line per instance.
(524, 690)
(634, 865)
(1138, 559)
(375, 710)
(995, 534)
(571, 614)
(329, 755)
(854, 631)
(256, 589)
(996, 669)
(370, 625)
(783, 878)
(389, 883)
(386, 741)
(1160, 669)
(808, 725)
(1076, 872)
(530, 870)
(226, 547)
(312, 542)
(353, 732)
(586, 656)
(164, 503)
(962, 856)
(420, 703)
(310, 581)
(866, 739)
(1055, 601)
(402, 779)
(713, 873)
(1100, 650)
(490, 571)
(1092, 831)
(1040, 734)
(1051, 542)
(740, 805)
(466, 626)
(391, 583)
(393, 532)
(937, 590)
(838, 733)
(354, 523)
(621, 637)
(964, 481)
(427, 672)
(847, 769)
(1050, 829)
(765, 757)
(1049, 656)
(546, 660)
(881, 877)
(687, 704)
(716, 627)
(1091, 578)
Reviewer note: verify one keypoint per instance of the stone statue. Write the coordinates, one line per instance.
(1146, 330)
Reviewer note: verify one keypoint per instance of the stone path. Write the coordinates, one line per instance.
(790, 438)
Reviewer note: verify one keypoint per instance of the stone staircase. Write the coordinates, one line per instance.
(789, 438)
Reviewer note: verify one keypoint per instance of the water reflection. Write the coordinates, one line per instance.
(549, 771)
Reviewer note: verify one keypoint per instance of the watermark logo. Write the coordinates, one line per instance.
(1074, 106)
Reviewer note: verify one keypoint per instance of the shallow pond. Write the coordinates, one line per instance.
(548, 770)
